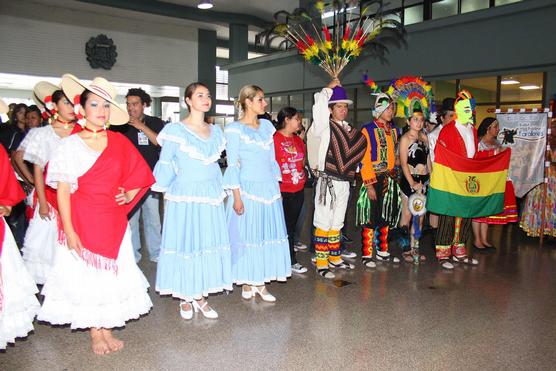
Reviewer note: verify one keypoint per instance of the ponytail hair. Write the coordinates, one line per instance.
(285, 113)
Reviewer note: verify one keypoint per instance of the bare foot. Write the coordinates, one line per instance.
(186, 306)
(114, 343)
(98, 343)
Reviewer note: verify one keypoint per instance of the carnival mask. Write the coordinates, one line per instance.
(465, 107)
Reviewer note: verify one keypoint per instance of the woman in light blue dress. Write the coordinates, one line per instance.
(255, 215)
(195, 257)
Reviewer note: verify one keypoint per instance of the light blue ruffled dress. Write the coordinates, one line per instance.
(195, 256)
(259, 240)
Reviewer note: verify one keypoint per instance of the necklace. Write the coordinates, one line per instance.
(65, 123)
(93, 131)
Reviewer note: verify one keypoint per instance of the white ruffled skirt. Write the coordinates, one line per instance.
(85, 297)
(20, 304)
(40, 246)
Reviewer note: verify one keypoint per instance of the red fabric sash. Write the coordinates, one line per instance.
(97, 219)
(51, 197)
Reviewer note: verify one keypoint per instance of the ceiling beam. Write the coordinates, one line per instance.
(180, 11)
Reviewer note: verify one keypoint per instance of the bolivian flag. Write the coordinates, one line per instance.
(466, 187)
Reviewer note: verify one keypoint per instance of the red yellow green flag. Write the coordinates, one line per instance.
(466, 187)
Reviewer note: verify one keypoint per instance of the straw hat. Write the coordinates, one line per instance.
(3, 107)
(42, 95)
(73, 88)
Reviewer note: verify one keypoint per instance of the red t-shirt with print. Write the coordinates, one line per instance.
(290, 155)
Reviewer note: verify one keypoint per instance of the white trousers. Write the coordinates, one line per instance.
(327, 218)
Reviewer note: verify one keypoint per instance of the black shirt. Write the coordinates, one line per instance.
(148, 150)
(10, 137)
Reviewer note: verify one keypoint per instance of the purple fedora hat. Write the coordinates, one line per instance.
(339, 95)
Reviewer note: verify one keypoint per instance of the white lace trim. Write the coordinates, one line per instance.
(196, 199)
(34, 159)
(191, 150)
(230, 186)
(156, 188)
(246, 139)
(261, 199)
(264, 243)
(214, 250)
(54, 178)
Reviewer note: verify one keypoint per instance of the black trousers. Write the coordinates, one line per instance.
(292, 202)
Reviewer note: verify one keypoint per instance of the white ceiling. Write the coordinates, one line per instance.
(264, 9)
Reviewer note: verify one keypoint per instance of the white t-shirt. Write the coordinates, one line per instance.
(466, 132)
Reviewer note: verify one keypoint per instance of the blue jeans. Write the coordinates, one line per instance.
(148, 208)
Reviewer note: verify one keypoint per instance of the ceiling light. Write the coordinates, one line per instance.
(205, 4)
(529, 87)
(509, 81)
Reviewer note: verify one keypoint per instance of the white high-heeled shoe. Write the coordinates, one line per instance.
(186, 314)
(265, 296)
(207, 311)
(247, 294)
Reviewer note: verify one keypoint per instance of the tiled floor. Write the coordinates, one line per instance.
(500, 315)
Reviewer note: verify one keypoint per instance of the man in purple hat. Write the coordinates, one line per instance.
(335, 150)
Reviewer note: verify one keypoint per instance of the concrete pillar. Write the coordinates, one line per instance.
(206, 63)
(239, 42)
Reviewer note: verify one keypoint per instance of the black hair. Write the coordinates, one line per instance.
(189, 90)
(84, 97)
(483, 127)
(447, 105)
(18, 107)
(33, 108)
(285, 113)
(143, 95)
(58, 95)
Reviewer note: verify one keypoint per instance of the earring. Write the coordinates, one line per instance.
(107, 125)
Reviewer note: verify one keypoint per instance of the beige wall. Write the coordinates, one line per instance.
(49, 40)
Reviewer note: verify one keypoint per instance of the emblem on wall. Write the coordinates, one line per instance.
(101, 52)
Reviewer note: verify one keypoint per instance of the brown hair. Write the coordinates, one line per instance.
(190, 89)
(247, 92)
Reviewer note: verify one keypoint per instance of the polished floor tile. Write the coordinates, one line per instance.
(498, 315)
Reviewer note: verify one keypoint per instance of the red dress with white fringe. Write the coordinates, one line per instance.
(101, 286)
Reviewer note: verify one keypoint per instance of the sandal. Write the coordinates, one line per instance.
(465, 260)
(341, 265)
(326, 273)
(445, 263)
(369, 263)
(407, 257)
(389, 258)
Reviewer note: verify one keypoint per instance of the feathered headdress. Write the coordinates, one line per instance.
(375, 89)
(411, 94)
(332, 51)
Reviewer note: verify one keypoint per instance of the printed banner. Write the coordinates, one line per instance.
(525, 134)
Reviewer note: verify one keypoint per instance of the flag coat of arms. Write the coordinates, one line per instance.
(467, 187)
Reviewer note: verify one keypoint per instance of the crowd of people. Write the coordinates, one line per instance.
(75, 188)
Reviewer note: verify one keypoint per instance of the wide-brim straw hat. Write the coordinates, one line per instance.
(3, 107)
(73, 88)
(42, 94)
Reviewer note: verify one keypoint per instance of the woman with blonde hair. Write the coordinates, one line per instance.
(255, 215)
